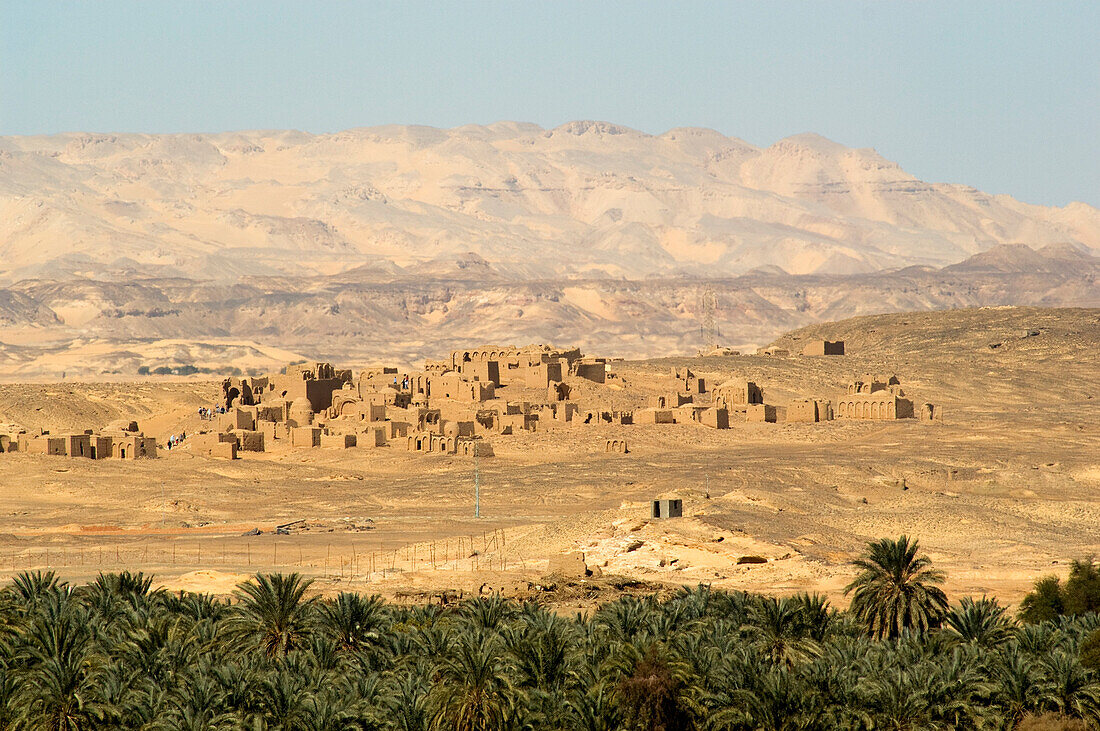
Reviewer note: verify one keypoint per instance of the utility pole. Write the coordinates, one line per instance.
(708, 327)
(477, 484)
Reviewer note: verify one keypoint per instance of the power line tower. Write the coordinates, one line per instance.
(477, 483)
(708, 325)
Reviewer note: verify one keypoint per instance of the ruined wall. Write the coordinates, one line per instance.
(305, 436)
(249, 440)
(824, 347)
(738, 393)
(760, 413)
(874, 405)
(654, 416)
(809, 410)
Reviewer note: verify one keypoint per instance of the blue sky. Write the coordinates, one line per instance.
(1003, 96)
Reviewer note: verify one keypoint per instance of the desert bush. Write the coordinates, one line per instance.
(1051, 722)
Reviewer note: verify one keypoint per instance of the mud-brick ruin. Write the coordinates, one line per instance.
(460, 405)
(118, 440)
(449, 407)
(872, 397)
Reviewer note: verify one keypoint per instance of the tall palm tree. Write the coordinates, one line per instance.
(472, 690)
(274, 612)
(777, 629)
(30, 587)
(982, 622)
(1072, 689)
(59, 688)
(356, 623)
(655, 694)
(408, 703)
(1014, 686)
(896, 590)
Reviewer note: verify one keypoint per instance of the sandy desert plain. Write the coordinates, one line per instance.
(1006, 489)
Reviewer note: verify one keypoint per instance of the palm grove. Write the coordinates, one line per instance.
(115, 654)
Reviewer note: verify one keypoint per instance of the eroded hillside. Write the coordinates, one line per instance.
(95, 329)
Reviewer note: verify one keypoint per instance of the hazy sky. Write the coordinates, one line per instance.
(1003, 96)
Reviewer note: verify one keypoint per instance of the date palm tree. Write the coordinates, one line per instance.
(29, 588)
(654, 694)
(9, 687)
(1015, 689)
(540, 650)
(896, 590)
(980, 622)
(780, 701)
(1070, 688)
(274, 612)
(408, 703)
(778, 630)
(115, 654)
(472, 690)
(59, 688)
(357, 624)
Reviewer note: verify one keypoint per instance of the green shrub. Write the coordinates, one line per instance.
(1050, 598)
(1090, 651)
(1044, 603)
(1082, 590)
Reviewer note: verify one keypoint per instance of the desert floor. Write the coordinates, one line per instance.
(1005, 490)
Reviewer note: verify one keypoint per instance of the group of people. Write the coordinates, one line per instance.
(176, 439)
(206, 414)
(405, 383)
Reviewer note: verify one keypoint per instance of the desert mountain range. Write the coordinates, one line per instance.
(585, 199)
(243, 249)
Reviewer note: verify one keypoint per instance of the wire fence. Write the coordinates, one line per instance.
(308, 554)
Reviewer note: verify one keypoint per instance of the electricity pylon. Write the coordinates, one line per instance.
(708, 327)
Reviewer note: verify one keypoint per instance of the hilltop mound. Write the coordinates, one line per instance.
(1066, 334)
